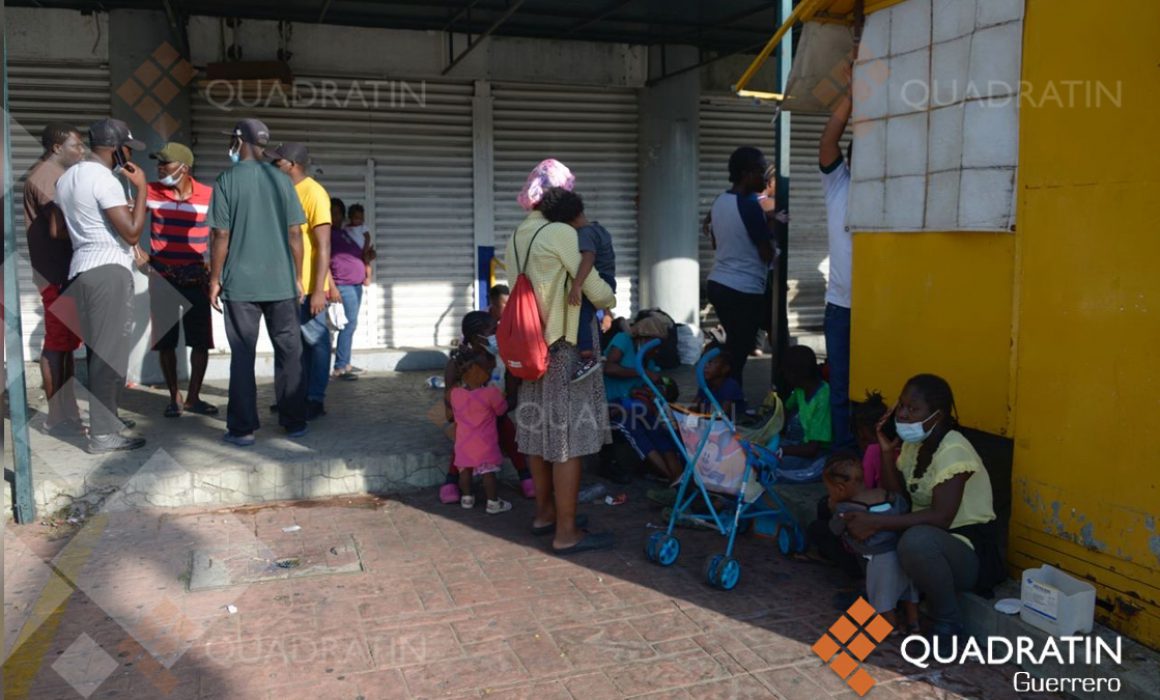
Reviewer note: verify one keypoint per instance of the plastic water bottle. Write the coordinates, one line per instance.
(435, 383)
(592, 494)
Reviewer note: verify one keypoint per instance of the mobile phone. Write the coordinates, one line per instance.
(119, 161)
(888, 428)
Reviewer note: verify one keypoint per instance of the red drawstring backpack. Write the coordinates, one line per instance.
(521, 330)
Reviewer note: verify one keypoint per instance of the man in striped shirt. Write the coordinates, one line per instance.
(179, 285)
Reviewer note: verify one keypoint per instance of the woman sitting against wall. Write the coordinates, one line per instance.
(949, 541)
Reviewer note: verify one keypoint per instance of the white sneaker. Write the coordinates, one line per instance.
(498, 506)
(467, 502)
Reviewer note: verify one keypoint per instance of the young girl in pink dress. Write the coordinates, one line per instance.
(476, 406)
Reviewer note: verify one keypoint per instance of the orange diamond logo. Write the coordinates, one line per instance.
(850, 640)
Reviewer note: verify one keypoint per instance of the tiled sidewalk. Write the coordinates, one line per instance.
(450, 604)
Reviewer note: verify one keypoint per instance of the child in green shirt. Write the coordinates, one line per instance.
(808, 433)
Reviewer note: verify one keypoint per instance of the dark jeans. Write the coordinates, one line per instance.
(941, 565)
(740, 315)
(584, 338)
(282, 326)
(104, 297)
(837, 328)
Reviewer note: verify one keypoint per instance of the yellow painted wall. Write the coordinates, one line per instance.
(935, 302)
(1087, 378)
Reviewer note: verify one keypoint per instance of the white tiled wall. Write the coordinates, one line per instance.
(936, 120)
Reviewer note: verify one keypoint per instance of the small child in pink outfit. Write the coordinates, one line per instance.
(476, 407)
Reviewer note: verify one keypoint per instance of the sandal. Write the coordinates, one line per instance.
(172, 411)
(591, 541)
(202, 408)
(581, 521)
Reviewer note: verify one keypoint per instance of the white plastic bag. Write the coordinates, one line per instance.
(336, 317)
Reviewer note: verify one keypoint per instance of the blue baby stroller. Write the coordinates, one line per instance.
(718, 462)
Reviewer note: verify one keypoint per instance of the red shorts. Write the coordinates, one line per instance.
(61, 322)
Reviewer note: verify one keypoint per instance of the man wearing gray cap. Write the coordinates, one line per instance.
(104, 231)
(255, 262)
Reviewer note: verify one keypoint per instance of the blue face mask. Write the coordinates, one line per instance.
(235, 154)
(914, 432)
(492, 345)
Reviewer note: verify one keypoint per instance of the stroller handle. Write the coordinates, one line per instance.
(699, 370)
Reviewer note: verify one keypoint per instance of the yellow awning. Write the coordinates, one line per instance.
(839, 11)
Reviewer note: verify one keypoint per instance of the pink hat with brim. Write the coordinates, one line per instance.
(548, 174)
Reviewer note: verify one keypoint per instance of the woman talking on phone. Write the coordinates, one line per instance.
(949, 540)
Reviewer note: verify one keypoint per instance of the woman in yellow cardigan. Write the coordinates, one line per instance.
(558, 422)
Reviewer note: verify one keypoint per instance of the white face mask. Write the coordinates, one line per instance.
(914, 432)
(172, 180)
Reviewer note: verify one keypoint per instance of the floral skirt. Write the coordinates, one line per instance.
(557, 419)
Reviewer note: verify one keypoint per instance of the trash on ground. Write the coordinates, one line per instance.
(592, 494)
(1009, 606)
(292, 528)
(232, 609)
(616, 500)
(435, 383)
(287, 562)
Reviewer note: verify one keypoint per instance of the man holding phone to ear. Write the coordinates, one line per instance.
(104, 230)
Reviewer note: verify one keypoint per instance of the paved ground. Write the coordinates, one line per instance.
(449, 604)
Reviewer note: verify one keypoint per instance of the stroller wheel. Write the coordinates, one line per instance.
(668, 549)
(799, 540)
(785, 540)
(650, 545)
(712, 569)
(730, 574)
(723, 572)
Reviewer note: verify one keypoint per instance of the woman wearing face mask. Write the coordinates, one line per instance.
(478, 329)
(949, 540)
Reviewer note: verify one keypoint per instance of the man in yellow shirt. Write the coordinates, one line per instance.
(293, 159)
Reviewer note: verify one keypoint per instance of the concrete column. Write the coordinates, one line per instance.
(151, 84)
(669, 271)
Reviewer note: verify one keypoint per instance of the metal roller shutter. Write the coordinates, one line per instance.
(594, 132)
(726, 123)
(409, 164)
(41, 93)
(808, 240)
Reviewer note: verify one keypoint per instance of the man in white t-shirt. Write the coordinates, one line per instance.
(836, 185)
(104, 230)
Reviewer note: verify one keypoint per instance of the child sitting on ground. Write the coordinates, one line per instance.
(886, 583)
(808, 431)
(724, 388)
(560, 205)
(477, 406)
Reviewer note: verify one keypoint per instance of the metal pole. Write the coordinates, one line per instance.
(784, 141)
(490, 30)
(13, 333)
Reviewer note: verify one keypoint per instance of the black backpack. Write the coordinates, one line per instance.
(667, 356)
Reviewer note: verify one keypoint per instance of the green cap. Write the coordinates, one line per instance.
(174, 153)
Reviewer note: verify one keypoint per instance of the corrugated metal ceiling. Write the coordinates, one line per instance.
(714, 25)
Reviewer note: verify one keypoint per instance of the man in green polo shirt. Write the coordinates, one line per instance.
(256, 258)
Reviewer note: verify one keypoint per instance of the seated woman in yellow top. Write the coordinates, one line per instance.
(949, 540)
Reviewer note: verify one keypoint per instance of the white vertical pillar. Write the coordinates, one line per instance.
(669, 269)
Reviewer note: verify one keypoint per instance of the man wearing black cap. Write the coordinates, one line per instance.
(255, 262)
(104, 231)
(292, 159)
